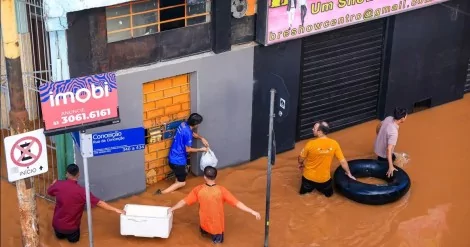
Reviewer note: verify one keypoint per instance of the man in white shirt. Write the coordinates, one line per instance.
(387, 138)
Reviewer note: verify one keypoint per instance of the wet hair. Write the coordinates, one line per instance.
(210, 172)
(399, 113)
(73, 169)
(324, 127)
(194, 119)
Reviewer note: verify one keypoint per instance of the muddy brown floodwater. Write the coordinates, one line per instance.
(435, 212)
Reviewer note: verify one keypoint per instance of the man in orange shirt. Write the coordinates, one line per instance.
(315, 161)
(211, 198)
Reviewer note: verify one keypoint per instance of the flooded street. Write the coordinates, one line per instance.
(434, 213)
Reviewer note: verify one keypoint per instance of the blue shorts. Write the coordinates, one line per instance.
(216, 238)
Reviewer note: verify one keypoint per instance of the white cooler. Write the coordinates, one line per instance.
(146, 221)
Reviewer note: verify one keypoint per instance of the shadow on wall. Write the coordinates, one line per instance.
(273, 64)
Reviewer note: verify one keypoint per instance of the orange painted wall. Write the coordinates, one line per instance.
(165, 101)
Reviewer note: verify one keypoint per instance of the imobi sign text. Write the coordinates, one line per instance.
(79, 101)
(82, 95)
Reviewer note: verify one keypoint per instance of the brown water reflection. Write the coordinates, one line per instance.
(434, 213)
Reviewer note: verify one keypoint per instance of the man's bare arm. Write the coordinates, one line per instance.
(106, 206)
(243, 207)
(345, 165)
(391, 168)
(390, 155)
(301, 162)
(195, 150)
(178, 205)
(203, 140)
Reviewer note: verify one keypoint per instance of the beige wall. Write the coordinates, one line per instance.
(31, 99)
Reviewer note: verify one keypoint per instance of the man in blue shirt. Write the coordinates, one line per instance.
(181, 146)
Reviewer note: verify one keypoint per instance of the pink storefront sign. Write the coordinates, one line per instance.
(293, 19)
(79, 103)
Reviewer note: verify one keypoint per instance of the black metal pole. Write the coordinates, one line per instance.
(268, 177)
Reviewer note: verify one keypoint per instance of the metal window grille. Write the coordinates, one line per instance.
(140, 18)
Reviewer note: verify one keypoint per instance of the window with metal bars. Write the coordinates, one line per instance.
(145, 17)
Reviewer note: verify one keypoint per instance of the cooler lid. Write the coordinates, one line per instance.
(146, 211)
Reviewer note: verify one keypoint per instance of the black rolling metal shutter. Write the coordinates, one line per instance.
(341, 76)
(467, 83)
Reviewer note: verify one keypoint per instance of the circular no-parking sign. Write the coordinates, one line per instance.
(26, 151)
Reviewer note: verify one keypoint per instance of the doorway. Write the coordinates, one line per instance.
(166, 105)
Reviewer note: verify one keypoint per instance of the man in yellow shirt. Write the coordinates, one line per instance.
(315, 161)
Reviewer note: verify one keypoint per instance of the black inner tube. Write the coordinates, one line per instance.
(373, 194)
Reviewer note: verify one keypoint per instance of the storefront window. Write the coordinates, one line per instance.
(135, 19)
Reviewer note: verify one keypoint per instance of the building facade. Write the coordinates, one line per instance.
(35, 59)
(175, 57)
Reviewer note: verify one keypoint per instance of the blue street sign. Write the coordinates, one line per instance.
(118, 141)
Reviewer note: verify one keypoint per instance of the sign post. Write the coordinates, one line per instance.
(271, 157)
(26, 155)
(86, 151)
(104, 143)
(279, 107)
(88, 202)
(78, 104)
